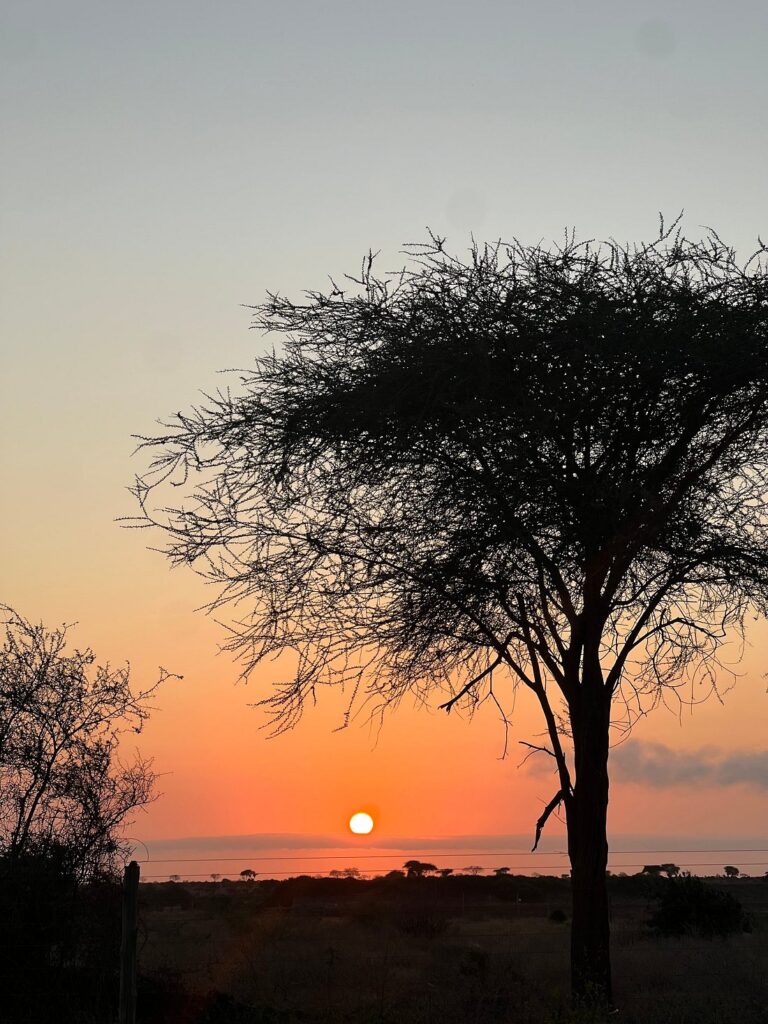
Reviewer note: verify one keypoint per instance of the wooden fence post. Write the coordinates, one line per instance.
(128, 945)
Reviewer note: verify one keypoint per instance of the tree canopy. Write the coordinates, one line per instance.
(443, 466)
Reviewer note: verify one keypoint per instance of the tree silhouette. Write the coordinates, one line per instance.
(536, 467)
(62, 717)
(473, 869)
(248, 874)
(730, 871)
(418, 868)
(501, 872)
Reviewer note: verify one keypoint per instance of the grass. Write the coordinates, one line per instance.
(438, 952)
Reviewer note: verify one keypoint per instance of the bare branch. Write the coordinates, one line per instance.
(552, 806)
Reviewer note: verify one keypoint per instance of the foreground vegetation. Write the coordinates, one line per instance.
(469, 950)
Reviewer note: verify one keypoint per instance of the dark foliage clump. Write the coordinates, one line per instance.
(59, 941)
(687, 906)
(423, 922)
(164, 1000)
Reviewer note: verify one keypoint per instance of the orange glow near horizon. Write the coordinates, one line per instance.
(433, 774)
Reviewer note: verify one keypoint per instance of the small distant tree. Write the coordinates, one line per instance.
(395, 873)
(174, 878)
(531, 467)
(473, 869)
(418, 868)
(445, 872)
(730, 871)
(351, 873)
(652, 869)
(247, 874)
(670, 870)
(501, 872)
(215, 876)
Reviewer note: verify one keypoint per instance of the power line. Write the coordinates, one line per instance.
(526, 867)
(393, 856)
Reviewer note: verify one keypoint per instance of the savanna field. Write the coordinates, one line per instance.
(432, 951)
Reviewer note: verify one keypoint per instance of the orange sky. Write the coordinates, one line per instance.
(424, 773)
(65, 559)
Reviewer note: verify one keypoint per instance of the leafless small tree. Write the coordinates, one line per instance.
(61, 720)
(537, 468)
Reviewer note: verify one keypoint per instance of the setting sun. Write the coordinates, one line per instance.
(361, 823)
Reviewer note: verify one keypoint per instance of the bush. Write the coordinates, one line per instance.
(689, 907)
(59, 941)
(423, 922)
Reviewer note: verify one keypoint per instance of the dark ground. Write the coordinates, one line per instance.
(460, 950)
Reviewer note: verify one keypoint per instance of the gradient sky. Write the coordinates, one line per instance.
(164, 163)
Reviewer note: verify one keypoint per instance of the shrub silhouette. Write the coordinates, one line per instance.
(422, 922)
(689, 907)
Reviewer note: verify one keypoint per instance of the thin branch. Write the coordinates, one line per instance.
(469, 686)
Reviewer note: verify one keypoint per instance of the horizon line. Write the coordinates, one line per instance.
(495, 841)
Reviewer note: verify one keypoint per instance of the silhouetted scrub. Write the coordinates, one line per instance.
(687, 906)
(426, 922)
(59, 942)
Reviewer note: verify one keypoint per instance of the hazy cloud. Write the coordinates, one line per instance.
(300, 842)
(653, 764)
(255, 841)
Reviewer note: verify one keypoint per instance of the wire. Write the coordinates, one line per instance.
(432, 853)
(527, 867)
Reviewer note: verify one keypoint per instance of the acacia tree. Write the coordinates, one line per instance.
(419, 868)
(63, 788)
(542, 468)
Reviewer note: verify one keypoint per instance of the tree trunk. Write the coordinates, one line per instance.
(588, 852)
